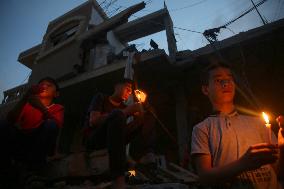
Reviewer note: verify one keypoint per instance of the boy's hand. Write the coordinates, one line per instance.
(47, 114)
(258, 155)
(133, 108)
(280, 121)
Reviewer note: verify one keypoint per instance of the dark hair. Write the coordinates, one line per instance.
(205, 74)
(51, 80)
(124, 81)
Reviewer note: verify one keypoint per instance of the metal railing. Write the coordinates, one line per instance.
(14, 93)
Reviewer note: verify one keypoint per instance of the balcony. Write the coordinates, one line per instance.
(11, 96)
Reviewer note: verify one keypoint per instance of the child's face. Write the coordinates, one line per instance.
(124, 91)
(221, 86)
(48, 90)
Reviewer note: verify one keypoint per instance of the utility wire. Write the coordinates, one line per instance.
(193, 31)
(28, 75)
(230, 30)
(150, 1)
(182, 42)
(113, 12)
(211, 43)
(263, 21)
(211, 34)
(243, 14)
(188, 6)
(103, 2)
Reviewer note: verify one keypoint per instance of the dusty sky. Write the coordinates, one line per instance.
(23, 24)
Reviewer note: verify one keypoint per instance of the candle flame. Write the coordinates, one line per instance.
(132, 173)
(141, 96)
(265, 117)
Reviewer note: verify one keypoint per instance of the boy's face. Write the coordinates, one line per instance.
(47, 90)
(123, 90)
(221, 86)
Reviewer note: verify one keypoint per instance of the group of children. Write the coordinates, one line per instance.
(228, 150)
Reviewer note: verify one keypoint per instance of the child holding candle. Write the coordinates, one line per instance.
(230, 150)
(30, 133)
(107, 128)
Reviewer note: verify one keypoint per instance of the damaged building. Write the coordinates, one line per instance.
(87, 52)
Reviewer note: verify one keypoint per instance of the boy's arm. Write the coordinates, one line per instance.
(212, 175)
(31, 97)
(56, 114)
(97, 118)
(36, 103)
(96, 115)
(16, 110)
(256, 156)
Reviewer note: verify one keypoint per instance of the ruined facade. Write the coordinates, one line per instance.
(83, 50)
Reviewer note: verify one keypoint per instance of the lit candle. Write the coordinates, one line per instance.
(268, 125)
(132, 173)
(141, 96)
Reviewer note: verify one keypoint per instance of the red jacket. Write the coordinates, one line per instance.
(31, 117)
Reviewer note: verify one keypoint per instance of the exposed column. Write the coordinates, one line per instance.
(172, 46)
(181, 119)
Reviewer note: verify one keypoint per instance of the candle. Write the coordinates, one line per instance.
(268, 125)
(141, 96)
(132, 173)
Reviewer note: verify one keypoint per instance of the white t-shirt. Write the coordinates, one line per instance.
(226, 138)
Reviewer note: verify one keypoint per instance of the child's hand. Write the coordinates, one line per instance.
(47, 115)
(280, 121)
(133, 108)
(258, 155)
